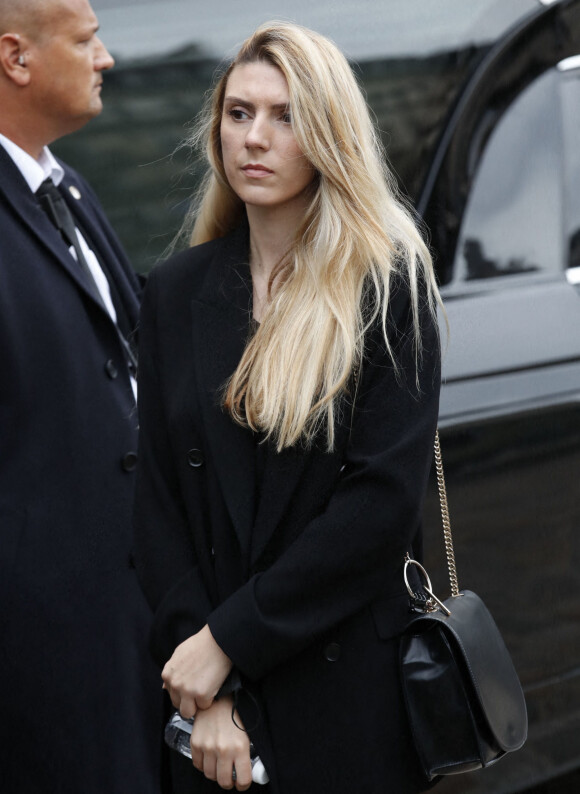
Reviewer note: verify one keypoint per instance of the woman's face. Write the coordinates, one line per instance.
(262, 160)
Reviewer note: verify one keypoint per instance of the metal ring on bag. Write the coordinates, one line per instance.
(423, 571)
(432, 603)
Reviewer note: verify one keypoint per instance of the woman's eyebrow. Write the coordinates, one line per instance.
(234, 100)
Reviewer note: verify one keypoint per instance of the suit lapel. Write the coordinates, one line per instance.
(22, 201)
(123, 291)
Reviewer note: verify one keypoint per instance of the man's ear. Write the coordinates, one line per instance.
(13, 58)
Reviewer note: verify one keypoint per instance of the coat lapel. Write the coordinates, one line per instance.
(23, 202)
(122, 281)
(281, 477)
(221, 316)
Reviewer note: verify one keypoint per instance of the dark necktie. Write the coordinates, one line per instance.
(53, 203)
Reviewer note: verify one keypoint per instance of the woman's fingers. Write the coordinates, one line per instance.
(225, 773)
(243, 772)
(184, 702)
(219, 748)
(196, 756)
(195, 673)
(210, 766)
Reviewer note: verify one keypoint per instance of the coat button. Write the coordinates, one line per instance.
(332, 652)
(111, 369)
(129, 461)
(195, 458)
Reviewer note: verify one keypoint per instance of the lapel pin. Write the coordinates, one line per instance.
(75, 192)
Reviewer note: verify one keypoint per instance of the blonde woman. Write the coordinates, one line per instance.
(289, 383)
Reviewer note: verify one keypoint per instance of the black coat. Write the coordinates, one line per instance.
(78, 692)
(300, 578)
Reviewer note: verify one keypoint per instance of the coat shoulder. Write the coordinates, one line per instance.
(189, 266)
(205, 271)
(192, 267)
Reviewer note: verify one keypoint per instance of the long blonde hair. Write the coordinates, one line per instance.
(354, 235)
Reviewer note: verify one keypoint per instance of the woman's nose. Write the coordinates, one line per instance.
(258, 136)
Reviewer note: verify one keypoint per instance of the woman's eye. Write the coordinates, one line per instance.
(237, 114)
(287, 117)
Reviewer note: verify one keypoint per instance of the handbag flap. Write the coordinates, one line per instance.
(472, 630)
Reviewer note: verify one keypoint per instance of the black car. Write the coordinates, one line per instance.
(479, 105)
(502, 201)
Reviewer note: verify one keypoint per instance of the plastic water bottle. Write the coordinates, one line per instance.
(177, 735)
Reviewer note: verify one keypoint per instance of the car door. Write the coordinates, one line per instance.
(503, 206)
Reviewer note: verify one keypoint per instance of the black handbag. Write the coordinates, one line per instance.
(464, 700)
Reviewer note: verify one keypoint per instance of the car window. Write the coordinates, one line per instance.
(523, 214)
(513, 219)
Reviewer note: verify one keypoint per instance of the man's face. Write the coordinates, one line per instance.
(66, 61)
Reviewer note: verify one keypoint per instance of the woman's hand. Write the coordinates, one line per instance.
(195, 673)
(218, 746)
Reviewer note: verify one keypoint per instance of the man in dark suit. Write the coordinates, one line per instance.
(78, 698)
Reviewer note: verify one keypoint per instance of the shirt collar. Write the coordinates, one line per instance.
(34, 171)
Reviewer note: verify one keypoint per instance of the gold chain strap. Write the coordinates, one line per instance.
(445, 518)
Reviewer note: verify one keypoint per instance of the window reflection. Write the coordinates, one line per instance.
(574, 259)
(513, 222)
(479, 266)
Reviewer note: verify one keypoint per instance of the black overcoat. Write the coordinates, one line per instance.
(299, 576)
(78, 693)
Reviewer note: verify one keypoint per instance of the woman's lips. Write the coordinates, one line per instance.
(256, 170)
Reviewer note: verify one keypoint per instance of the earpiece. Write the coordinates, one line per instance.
(21, 60)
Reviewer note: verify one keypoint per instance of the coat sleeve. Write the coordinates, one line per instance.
(353, 552)
(164, 553)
